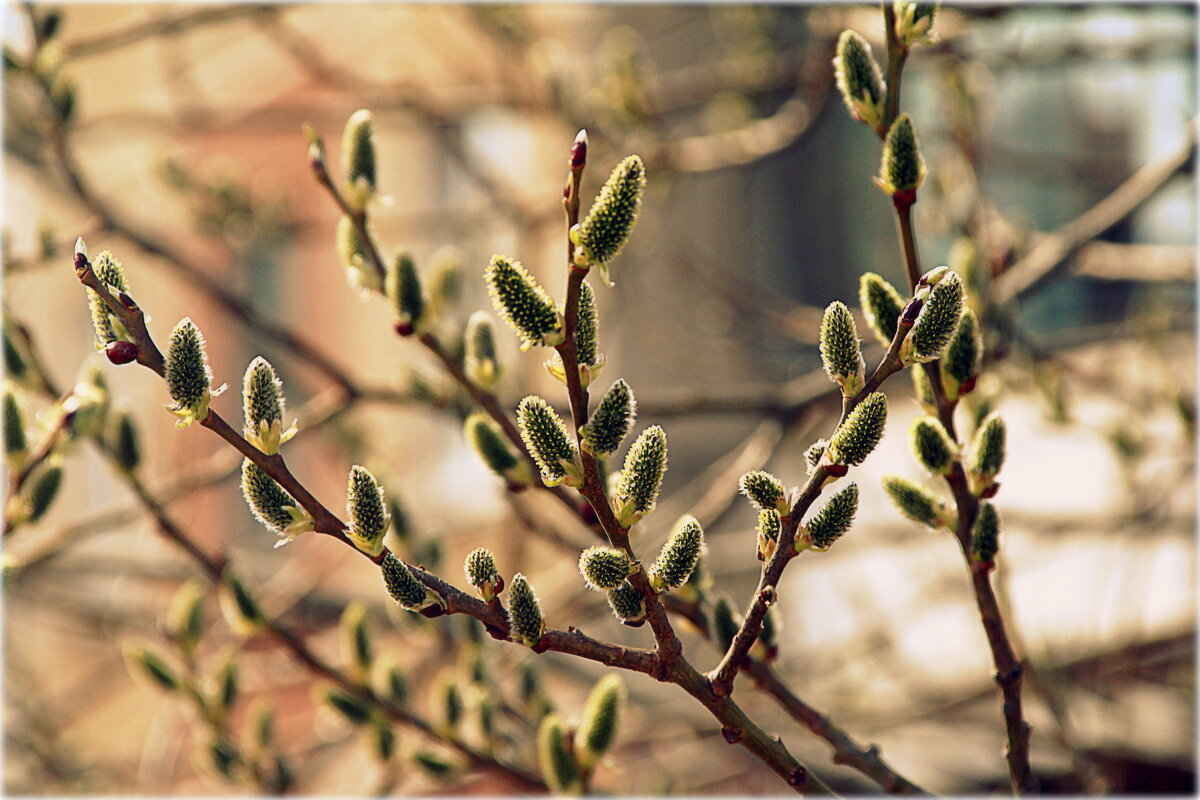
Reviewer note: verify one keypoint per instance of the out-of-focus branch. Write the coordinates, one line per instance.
(1049, 255)
(166, 24)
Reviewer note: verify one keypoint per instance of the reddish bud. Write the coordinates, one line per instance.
(121, 352)
(731, 736)
(837, 470)
(543, 644)
(904, 198)
(911, 311)
(991, 490)
(579, 150)
(968, 385)
(498, 585)
(404, 328)
(81, 261)
(430, 612)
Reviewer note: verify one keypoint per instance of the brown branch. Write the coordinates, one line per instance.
(163, 25)
(1008, 668)
(215, 567)
(672, 665)
(1051, 252)
(722, 676)
(326, 522)
(847, 751)
(199, 277)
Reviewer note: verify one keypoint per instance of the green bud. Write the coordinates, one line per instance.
(188, 374)
(923, 390)
(529, 688)
(764, 490)
(627, 603)
(488, 442)
(403, 288)
(522, 303)
(15, 366)
(525, 621)
(480, 566)
(914, 21)
(607, 226)
(611, 420)
(642, 476)
(770, 526)
(15, 443)
(369, 518)
(227, 685)
(725, 623)
(263, 725)
(444, 279)
(123, 442)
(558, 764)
(859, 79)
(143, 663)
(987, 453)
(353, 708)
(481, 364)
(916, 503)
(485, 708)
(587, 329)
(678, 556)
(881, 304)
(112, 274)
(834, 519)
(223, 758)
(545, 436)
(284, 777)
(402, 585)
(397, 685)
(960, 365)
(814, 454)
(272, 505)
(356, 638)
(41, 488)
(936, 323)
(902, 170)
(241, 609)
(185, 615)
(263, 407)
(434, 765)
(601, 717)
(451, 704)
(358, 157)
(857, 437)
(932, 445)
(604, 568)
(352, 251)
(985, 536)
(384, 740)
(841, 352)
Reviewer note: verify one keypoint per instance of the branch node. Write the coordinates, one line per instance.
(732, 736)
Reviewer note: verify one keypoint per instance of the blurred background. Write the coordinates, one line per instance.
(171, 134)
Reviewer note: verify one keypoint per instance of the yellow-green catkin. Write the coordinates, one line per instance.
(599, 724)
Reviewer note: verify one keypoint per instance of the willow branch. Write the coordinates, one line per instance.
(1050, 254)
(199, 277)
(722, 676)
(215, 566)
(1008, 668)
